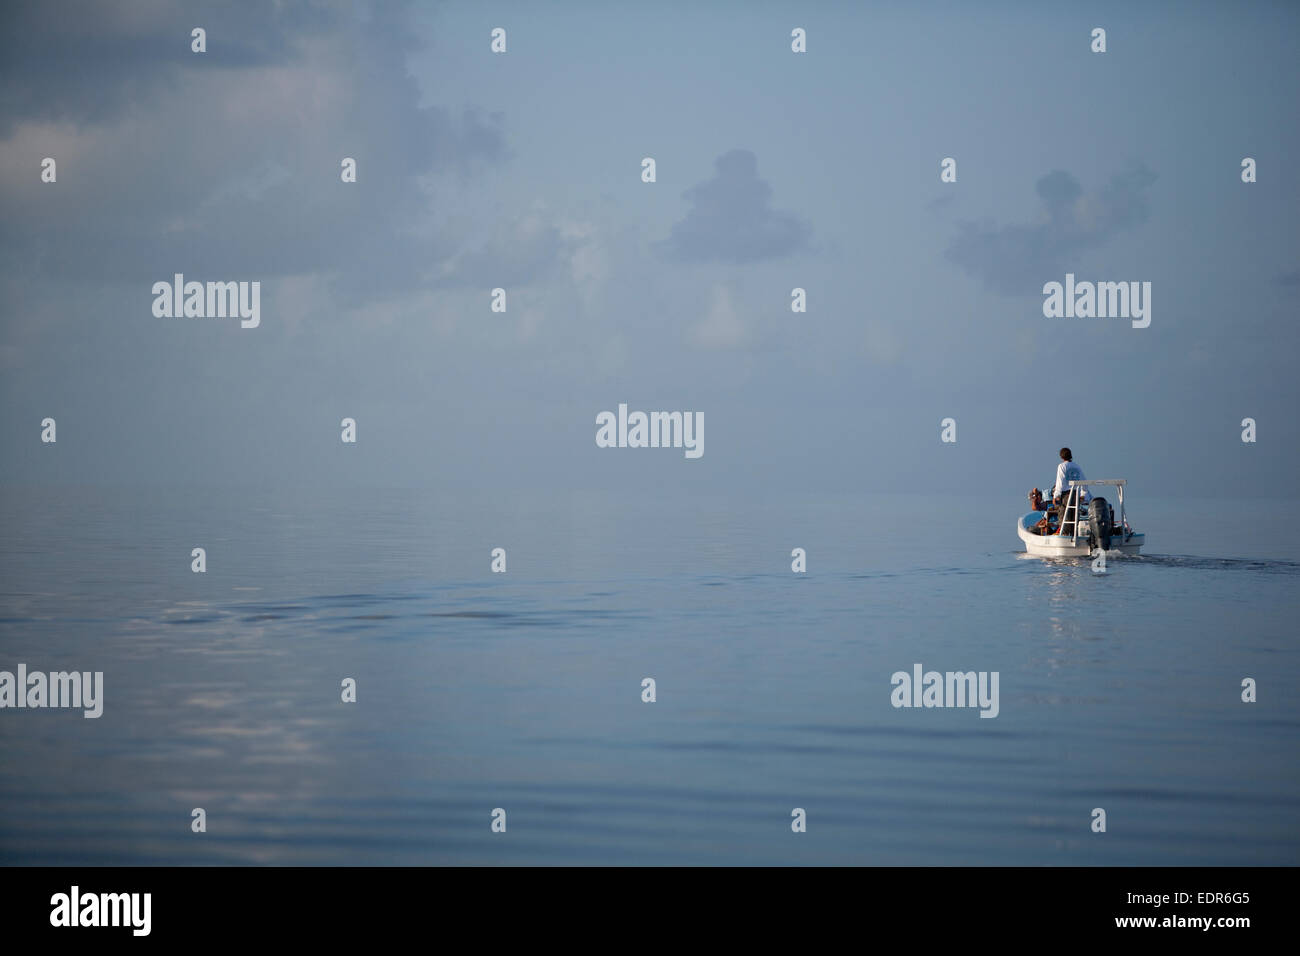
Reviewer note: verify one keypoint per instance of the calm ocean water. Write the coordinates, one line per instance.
(523, 690)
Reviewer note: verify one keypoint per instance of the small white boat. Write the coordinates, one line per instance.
(1082, 529)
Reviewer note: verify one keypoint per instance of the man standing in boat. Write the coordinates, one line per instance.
(1066, 472)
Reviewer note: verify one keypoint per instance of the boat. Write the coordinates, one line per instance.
(1082, 529)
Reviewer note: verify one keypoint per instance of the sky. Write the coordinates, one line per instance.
(775, 170)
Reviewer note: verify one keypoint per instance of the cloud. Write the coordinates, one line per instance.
(88, 62)
(731, 218)
(531, 249)
(226, 164)
(721, 327)
(520, 253)
(1013, 259)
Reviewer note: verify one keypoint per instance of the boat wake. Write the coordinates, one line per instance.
(1188, 561)
(1267, 566)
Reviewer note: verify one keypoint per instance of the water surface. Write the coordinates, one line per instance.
(523, 690)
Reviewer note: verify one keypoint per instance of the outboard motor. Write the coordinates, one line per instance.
(1100, 522)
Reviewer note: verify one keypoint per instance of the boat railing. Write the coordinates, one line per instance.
(1077, 486)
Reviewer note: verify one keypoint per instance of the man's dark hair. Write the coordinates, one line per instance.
(1066, 455)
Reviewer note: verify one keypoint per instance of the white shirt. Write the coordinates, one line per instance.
(1066, 472)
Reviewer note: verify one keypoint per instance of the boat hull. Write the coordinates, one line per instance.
(1063, 546)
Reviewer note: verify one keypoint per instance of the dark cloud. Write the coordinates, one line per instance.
(1058, 190)
(1014, 259)
(225, 163)
(732, 220)
(83, 61)
(1289, 278)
